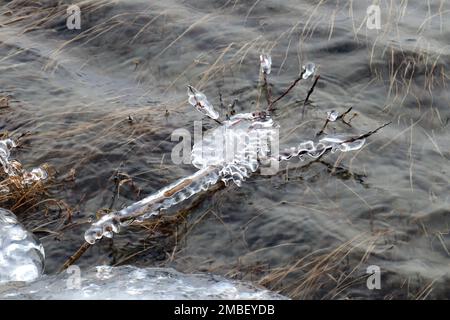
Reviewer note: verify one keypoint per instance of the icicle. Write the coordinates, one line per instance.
(231, 152)
(199, 101)
(228, 153)
(152, 205)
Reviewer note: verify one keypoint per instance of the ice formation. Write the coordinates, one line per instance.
(266, 63)
(315, 150)
(199, 101)
(13, 168)
(128, 282)
(228, 153)
(309, 69)
(5, 152)
(150, 206)
(21, 254)
(332, 115)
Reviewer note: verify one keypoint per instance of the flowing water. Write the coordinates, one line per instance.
(99, 105)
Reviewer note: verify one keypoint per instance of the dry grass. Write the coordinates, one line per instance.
(28, 198)
(25, 198)
(19, 196)
(322, 274)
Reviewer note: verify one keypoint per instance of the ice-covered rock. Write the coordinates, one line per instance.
(21, 254)
(128, 282)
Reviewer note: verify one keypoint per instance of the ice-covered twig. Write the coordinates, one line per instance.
(13, 168)
(266, 64)
(213, 166)
(211, 157)
(199, 101)
(316, 150)
(331, 143)
(307, 70)
(266, 86)
(310, 69)
(216, 160)
(333, 116)
(153, 204)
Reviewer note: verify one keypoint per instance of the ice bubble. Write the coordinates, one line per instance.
(309, 69)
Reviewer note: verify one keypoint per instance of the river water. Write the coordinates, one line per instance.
(309, 231)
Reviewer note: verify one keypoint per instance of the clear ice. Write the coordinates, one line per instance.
(5, 152)
(315, 150)
(128, 282)
(152, 205)
(309, 69)
(21, 254)
(266, 63)
(338, 143)
(228, 153)
(13, 168)
(199, 101)
(231, 152)
(332, 115)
